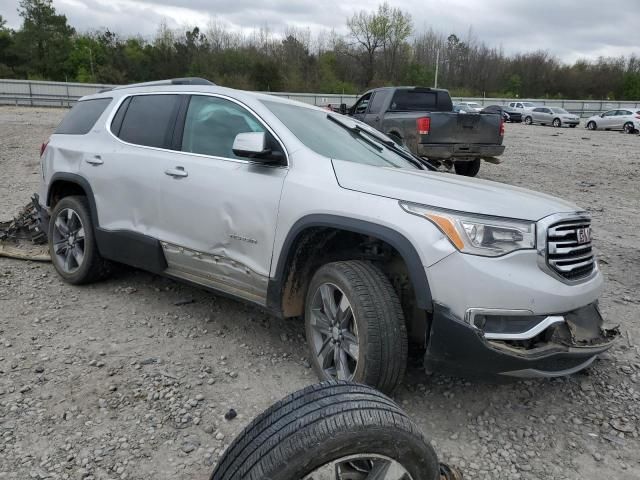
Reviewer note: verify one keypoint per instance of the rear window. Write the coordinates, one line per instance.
(421, 101)
(82, 117)
(148, 120)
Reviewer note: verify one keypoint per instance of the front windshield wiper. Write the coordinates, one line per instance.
(390, 144)
(357, 130)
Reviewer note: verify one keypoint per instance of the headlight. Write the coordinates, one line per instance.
(476, 234)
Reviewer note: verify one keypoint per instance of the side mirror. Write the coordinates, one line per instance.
(602, 115)
(255, 145)
(250, 144)
(343, 108)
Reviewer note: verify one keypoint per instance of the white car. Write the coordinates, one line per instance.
(622, 119)
(522, 107)
(470, 107)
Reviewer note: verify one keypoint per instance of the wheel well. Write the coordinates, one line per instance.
(396, 134)
(316, 246)
(63, 188)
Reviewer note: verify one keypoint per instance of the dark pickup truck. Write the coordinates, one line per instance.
(423, 120)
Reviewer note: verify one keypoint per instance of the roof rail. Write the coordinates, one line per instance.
(171, 81)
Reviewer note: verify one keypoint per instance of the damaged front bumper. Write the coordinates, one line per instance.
(520, 346)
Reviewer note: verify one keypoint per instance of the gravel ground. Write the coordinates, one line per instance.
(132, 377)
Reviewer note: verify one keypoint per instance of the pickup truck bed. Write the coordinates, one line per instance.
(423, 120)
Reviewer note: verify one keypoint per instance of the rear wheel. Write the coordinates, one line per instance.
(528, 120)
(592, 125)
(330, 431)
(355, 327)
(468, 169)
(72, 244)
(628, 128)
(557, 123)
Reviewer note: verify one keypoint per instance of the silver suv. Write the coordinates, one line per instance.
(311, 214)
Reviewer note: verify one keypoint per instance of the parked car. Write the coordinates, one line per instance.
(308, 213)
(459, 109)
(558, 117)
(423, 120)
(623, 119)
(509, 114)
(522, 107)
(470, 107)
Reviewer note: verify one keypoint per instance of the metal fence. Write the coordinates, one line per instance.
(63, 94)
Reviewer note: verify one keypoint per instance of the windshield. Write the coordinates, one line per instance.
(328, 138)
(559, 110)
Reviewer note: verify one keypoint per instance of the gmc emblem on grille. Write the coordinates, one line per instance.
(584, 235)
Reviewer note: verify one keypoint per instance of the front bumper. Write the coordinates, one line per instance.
(570, 122)
(561, 349)
(437, 151)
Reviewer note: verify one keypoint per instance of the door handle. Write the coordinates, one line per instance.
(95, 160)
(177, 172)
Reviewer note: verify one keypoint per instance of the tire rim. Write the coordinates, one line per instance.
(556, 123)
(628, 128)
(361, 467)
(334, 334)
(592, 126)
(527, 121)
(68, 240)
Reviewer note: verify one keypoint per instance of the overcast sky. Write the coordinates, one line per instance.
(569, 29)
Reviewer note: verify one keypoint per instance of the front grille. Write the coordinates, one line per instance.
(569, 249)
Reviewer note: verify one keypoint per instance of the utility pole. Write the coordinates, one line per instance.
(93, 77)
(435, 83)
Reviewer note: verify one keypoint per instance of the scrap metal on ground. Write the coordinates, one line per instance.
(23, 237)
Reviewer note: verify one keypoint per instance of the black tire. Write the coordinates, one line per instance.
(592, 125)
(468, 169)
(376, 322)
(628, 128)
(557, 123)
(92, 267)
(396, 138)
(321, 424)
(528, 120)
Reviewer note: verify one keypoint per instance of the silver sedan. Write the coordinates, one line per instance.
(555, 116)
(622, 119)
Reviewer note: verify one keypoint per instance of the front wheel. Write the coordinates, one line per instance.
(331, 431)
(557, 123)
(355, 327)
(528, 120)
(468, 169)
(591, 125)
(72, 244)
(628, 128)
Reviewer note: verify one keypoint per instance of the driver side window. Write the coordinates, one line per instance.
(211, 126)
(360, 108)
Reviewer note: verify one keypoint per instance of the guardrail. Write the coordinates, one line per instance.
(65, 94)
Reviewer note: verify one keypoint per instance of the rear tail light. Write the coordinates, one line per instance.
(423, 125)
(502, 127)
(43, 147)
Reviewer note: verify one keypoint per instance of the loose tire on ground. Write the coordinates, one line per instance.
(355, 327)
(329, 424)
(85, 263)
(468, 169)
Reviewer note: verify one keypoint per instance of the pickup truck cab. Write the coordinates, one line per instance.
(308, 213)
(522, 107)
(423, 120)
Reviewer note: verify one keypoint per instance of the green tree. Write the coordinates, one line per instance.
(45, 40)
(7, 55)
(418, 75)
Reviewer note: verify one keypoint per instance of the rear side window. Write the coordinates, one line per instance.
(147, 120)
(378, 100)
(421, 100)
(83, 116)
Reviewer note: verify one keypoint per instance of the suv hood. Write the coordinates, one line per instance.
(449, 191)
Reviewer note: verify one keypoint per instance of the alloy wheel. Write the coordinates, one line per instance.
(68, 240)
(335, 341)
(361, 467)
